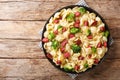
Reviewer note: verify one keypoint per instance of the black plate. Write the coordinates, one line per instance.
(72, 6)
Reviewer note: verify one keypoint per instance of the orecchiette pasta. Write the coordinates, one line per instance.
(75, 39)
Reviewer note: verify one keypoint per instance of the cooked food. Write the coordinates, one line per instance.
(75, 39)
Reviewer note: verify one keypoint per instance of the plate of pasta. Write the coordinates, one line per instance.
(75, 39)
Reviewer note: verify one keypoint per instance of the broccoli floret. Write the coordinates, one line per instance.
(55, 44)
(76, 48)
(51, 36)
(68, 67)
(70, 17)
(94, 49)
(82, 10)
(74, 30)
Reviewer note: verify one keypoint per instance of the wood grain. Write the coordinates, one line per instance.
(20, 29)
(27, 69)
(57, 0)
(31, 10)
(22, 49)
(30, 29)
(22, 59)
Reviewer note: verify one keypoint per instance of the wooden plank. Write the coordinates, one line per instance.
(30, 29)
(31, 10)
(28, 10)
(114, 47)
(41, 0)
(100, 1)
(21, 29)
(14, 78)
(27, 78)
(27, 67)
(108, 9)
(20, 56)
(29, 49)
(35, 69)
(63, 77)
(20, 49)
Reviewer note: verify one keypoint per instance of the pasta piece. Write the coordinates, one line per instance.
(46, 34)
(60, 37)
(93, 29)
(75, 9)
(92, 16)
(49, 27)
(57, 15)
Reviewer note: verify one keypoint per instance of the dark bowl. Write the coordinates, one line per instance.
(72, 6)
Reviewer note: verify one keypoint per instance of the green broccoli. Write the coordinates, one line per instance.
(68, 67)
(51, 36)
(70, 17)
(82, 10)
(74, 30)
(55, 44)
(86, 65)
(76, 48)
(106, 33)
(94, 50)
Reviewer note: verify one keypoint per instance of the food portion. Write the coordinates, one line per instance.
(75, 39)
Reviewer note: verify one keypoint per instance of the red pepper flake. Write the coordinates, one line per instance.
(89, 36)
(71, 35)
(77, 67)
(49, 56)
(99, 45)
(102, 29)
(77, 14)
(45, 40)
(80, 58)
(105, 44)
(64, 42)
(67, 55)
(78, 42)
(86, 23)
(58, 62)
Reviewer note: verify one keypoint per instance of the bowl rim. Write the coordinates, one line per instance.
(90, 10)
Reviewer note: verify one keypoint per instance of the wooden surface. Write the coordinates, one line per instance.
(22, 59)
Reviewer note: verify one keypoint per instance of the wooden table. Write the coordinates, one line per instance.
(22, 59)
